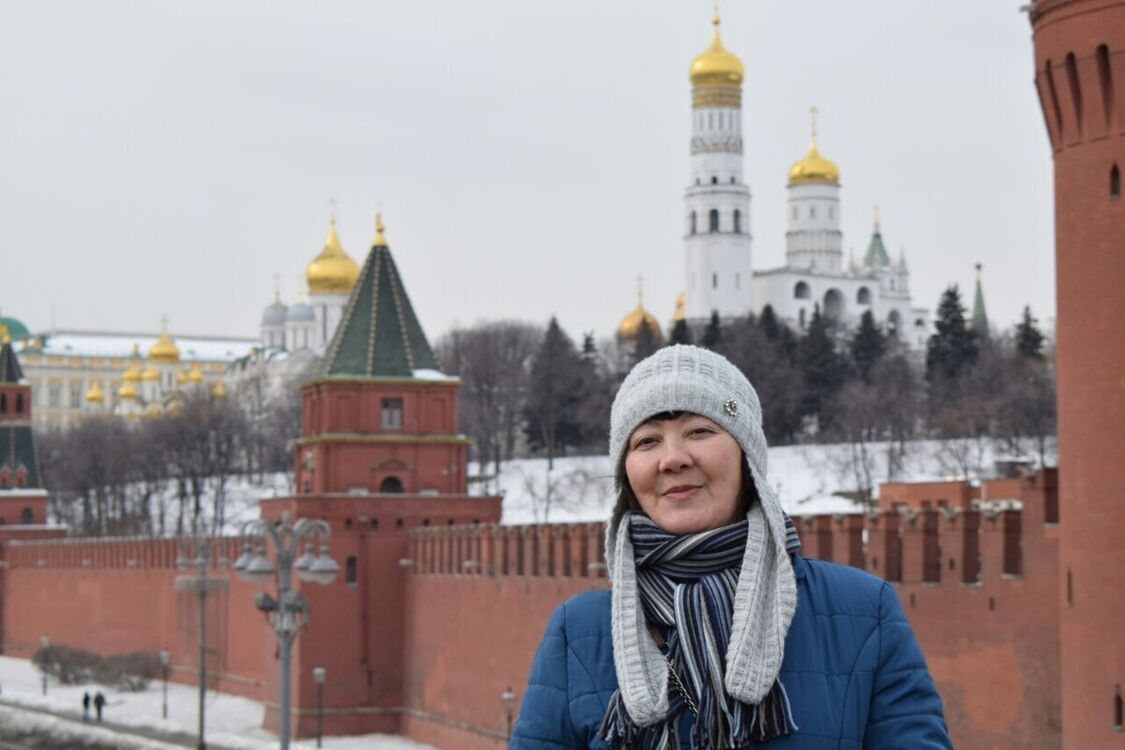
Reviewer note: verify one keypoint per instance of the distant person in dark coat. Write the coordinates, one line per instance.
(86, 706)
(99, 701)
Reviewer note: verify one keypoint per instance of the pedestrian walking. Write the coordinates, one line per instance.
(86, 706)
(99, 701)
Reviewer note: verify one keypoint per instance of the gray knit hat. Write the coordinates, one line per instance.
(691, 379)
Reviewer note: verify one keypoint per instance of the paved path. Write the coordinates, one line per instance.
(172, 738)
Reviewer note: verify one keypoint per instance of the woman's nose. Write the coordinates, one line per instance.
(674, 456)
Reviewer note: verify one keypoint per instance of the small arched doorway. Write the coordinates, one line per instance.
(834, 304)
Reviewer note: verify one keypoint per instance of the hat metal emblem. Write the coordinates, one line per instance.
(731, 407)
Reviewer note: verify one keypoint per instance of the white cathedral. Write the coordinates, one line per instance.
(717, 239)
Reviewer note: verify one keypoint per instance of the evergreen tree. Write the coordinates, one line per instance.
(713, 333)
(551, 420)
(589, 348)
(867, 346)
(953, 348)
(681, 334)
(823, 368)
(1029, 340)
(646, 342)
(769, 323)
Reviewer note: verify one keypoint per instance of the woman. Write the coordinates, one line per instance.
(716, 632)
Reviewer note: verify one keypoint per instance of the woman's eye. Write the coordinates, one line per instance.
(702, 431)
(644, 442)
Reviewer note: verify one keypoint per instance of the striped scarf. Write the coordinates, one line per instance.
(687, 587)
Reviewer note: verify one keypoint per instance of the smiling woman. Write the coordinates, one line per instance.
(717, 632)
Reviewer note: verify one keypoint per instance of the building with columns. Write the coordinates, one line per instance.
(717, 242)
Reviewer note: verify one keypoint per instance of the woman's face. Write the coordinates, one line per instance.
(686, 473)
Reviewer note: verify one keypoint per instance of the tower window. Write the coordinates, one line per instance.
(693, 218)
(1075, 88)
(350, 572)
(391, 414)
(27, 515)
(1118, 709)
(714, 281)
(812, 212)
(1115, 182)
(737, 221)
(19, 403)
(1105, 80)
(732, 179)
(801, 290)
(391, 486)
(713, 220)
(714, 180)
(794, 213)
(3, 403)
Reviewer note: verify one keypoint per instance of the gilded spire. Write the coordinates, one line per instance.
(876, 220)
(380, 238)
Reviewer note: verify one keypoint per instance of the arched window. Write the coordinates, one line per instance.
(834, 304)
(1075, 88)
(392, 486)
(714, 179)
(801, 291)
(863, 296)
(3, 403)
(351, 573)
(812, 212)
(1115, 182)
(893, 322)
(693, 217)
(713, 220)
(27, 516)
(737, 221)
(732, 179)
(714, 281)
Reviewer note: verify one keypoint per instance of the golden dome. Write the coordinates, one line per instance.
(681, 307)
(333, 271)
(150, 375)
(717, 66)
(154, 409)
(181, 377)
(814, 169)
(94, 394)
(127, 392)
(196, 374)
(218, 390)
(164, 351)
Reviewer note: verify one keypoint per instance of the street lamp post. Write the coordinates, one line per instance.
(508, 698)
(45, 642)
(319, 673)
(202, 584)
(165, 662)
(288, 614)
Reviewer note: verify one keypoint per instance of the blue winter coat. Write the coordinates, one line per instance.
(853, 671)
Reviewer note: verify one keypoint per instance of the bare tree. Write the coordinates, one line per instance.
(493, 360)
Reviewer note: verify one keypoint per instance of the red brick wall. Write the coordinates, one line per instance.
(1082, 92)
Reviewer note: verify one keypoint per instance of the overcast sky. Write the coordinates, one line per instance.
(529, 157)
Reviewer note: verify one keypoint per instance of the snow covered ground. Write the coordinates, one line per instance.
(232, 721)
(809, 479)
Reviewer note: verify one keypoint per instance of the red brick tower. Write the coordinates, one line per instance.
(1080, 78)
(380, 453)
(23, 501)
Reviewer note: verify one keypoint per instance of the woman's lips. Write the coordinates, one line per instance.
(682, 491)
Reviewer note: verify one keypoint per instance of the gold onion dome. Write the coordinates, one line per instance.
(681, 307)
(716, 66)
(196, 374)
(218, 390)
(182, 377)
(333, 271)
(630, 326)
(127, 392)
(150, 375)
(94, 394)
(164, 351)
(814, 169)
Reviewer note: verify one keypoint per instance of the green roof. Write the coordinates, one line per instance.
(876, 254)
(10, 370)
(980, 317)
(379, 335)
(16, 329)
